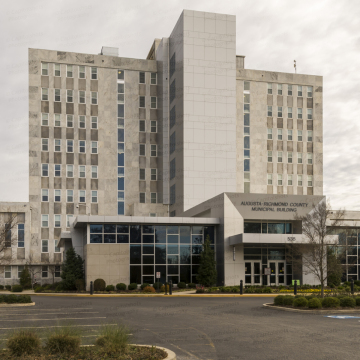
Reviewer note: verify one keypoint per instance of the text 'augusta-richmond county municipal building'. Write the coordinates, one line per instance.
(134, 162)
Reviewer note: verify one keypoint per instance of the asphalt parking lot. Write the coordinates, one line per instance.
(198, 328)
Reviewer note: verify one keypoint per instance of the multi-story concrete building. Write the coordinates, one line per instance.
(133, 143)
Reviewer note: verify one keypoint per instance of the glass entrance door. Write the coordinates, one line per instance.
(253, 273)
(277, 276)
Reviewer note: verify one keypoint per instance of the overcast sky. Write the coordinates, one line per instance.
(323, 37)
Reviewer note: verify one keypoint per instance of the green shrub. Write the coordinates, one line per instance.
(99, 285)
(113, 339)
(279, 300)
(300, 302)
(110, 288)
(288, 300)
(158, 285)
(2, 298)
(80, 284)
(347, 288)
(23, 342)
(8, 287)
(357, 282)
(191, 285)
(347, 283)
(59, 287)
(121, 286)
(25, 278)
(132, 286)
(181, 285)
(144, 285)
(267, 290)
(347, 302)
(24, 299)
(148, 289)
(235, 289)
(63, 340)
(17, 288)
(340, 288)
(330, 302)
(47, 287)
(200, 290)
(39, 289)
(1, 287)
(162, 289)
(314, 303)
(226, 289)
(357, 300)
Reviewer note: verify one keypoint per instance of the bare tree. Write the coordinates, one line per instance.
(317, 230)
(8, 236)
(34, 266)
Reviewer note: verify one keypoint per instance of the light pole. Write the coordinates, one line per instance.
(78, 205)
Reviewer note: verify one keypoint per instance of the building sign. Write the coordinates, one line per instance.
(267, 271)
(158, 275)
(274, 206)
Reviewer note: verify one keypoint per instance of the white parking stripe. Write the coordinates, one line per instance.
(100, 317)
(68, 313)
(17, 309)
(47, 327)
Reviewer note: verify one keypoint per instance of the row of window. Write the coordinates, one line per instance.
(300, 90)
(69, 96)
(153, 174)
(69, 121)
(309, 112)
(153, 126)
(153, 78)
(280, 136)
(69, 196)
(290, 179)
(153, 198)
(69, 170)
(69, 71)
(56, 271)
(247, 132)
(153, 150)
(153, 102)
(121, 145)
(290, 157)
(20, 236)
(69, 146)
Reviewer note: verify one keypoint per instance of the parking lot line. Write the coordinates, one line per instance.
(99, 317)
(68, 313)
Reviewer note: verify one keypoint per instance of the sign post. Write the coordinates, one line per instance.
(158, 280)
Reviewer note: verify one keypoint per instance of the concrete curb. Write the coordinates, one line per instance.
(311, 312)
(170, 354)
(16, 305)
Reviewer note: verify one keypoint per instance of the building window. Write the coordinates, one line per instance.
(57, 120)
(44, 271)
(141, 125)
(172, 91)
(279, 180)
(57, 70)
(82, 196)
(309, 114)
(269, 111)
(57, 95)
(153, 198)
(82, 146)
(94, 147)
(82, 171)
(69, 146)
(44, 169)
(44, 144)
(57, 195)
(153, 79)
(269, 179)
(121, 74)
(153, 150)
(269, 88)
(57, 145)
(69, 96)
(94, 196)
(93, 73)
(269, 134)
(94, 122)
(246, 98)
(246, 130)
(172, 142)
(142, 149)
(81, 72)
(299, 113)
(69, 71)
(141, 77)
(153, 174)
(94, 98)
(153, 102)
(7, 272)
(20, 269)
(279, 134)
(82, 123)
(44, 69)
(69, 196)
(300, 135)
(309, 91)
(310, 136)
(57, 220)
(172, 169)
(280, 158)
(57, 250)
(57, 273)
(44, 246)
(310, 180)
(290, 157)
(82, 97)
(141, 174)
(290, 180)
(300, 158)
(279, 111)
(172, 116)
(44, 119)
(142, 198)
(172, 194)
(310, 158)
(68, 220)
(290, 135)
(290, 113)
(21, 235)
(94, 172)
(290, 90)
(70, 171)
(57, 169)
(269, 156)
(141, 101)
(44, 194)
(280, 87)
(70, 121)
(44, 221)
(44, 94)
(172, 65)
(121, 96)
(300, 90)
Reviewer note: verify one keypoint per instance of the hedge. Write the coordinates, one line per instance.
(15, 299)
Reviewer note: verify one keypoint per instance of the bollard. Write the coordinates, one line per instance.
(241, 287)
(91, 288)
(170, 288)
(166, 284)
(295, 287)
(352, 286)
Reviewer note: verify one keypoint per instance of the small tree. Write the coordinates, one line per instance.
(8, 235)
(34, 267)
(207, 269)
(25, 278)
(72, 270)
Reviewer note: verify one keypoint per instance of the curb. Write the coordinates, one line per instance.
(170, 354)
(311, 312)
(16, 305)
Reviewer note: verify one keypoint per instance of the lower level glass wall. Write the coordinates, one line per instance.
(172, 250)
